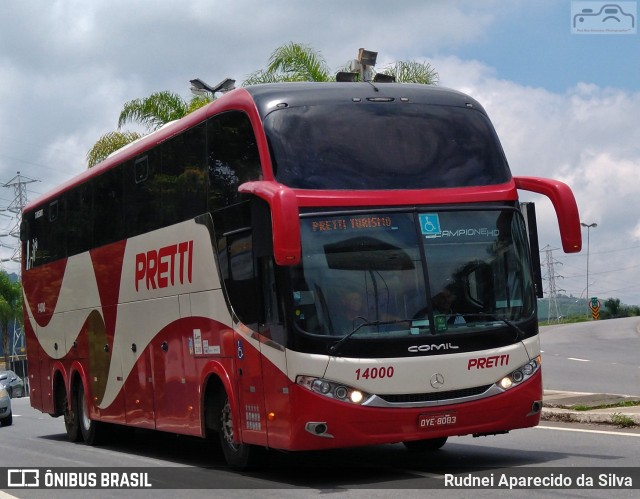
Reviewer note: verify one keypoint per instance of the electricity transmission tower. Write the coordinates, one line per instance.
(19, 183)
(552, 291)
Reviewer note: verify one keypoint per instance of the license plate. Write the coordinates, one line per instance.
(426, 421)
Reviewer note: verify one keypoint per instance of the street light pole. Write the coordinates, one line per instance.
(588, 226)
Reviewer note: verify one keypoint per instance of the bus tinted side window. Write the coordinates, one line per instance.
(45, 241)
(232, 157)
(79, 219)
(142, 189)
(183, 178)
(108, 207)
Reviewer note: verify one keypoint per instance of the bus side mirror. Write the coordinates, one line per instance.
(529, 213)
(285, 220)
(565, 205)
(24, 231)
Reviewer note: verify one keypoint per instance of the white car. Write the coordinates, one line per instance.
(12, 383)
(6, 418)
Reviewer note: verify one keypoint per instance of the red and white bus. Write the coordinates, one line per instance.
(293, 266)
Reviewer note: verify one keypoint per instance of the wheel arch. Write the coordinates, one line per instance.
(215, 383)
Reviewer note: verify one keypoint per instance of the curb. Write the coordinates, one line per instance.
(560, 406)
(569, 416)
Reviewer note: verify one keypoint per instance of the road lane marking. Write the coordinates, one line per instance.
(599, 432)
(579, 360)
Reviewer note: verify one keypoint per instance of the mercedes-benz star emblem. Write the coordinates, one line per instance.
(437, 380)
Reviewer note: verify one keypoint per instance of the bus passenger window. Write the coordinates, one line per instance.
(232, 157)
(183, 179)
(142, 195)
(108, 207)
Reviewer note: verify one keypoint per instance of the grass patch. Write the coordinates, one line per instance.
(622, 421)
(624, 403)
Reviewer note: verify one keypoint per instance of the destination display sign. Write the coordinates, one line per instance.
(352, 223)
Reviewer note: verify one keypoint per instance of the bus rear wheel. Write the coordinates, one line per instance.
(70, 414)
(237, 455)
(92, 431)
(426, 445)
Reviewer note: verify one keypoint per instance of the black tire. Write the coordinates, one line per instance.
(427, 445)
(70, 414)
(93, 432)
(7, 421)
(238, 455)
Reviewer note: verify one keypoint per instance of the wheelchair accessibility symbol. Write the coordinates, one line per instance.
(430, 224)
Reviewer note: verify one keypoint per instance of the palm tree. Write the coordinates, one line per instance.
(10, 309)
(412, 72)
(298, 62)
(108, 143)
(152, 112)
(292, 62)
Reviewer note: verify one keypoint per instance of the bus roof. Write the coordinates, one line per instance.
(273, 95)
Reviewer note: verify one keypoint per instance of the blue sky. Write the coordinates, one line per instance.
(565, 106)
(531, 43)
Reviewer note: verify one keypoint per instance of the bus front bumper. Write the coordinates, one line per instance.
(322, 423)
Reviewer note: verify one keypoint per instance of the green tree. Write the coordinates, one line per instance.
(152, 112)
(299, 62)
(613, 306)
(108, 143)
(289, 62)
(412, 72)
(10, 309)
(292, 62)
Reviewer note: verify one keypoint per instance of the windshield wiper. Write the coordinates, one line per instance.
(520, 334)
(334, 349)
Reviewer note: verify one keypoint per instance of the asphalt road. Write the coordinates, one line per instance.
(36, 440)
(594, 356)
(607, 351)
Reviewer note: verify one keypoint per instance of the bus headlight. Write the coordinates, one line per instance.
(332, 389)
(521, 374)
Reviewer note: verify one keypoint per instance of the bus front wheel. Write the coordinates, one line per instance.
(237, 455)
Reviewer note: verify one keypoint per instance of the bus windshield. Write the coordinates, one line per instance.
(405, 274)
(389, 145)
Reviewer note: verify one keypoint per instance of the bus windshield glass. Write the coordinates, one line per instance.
(405, 274)
(389, 145)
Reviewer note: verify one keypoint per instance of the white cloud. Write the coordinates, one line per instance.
(587, 137)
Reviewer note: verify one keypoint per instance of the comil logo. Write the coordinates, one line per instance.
(604, 18)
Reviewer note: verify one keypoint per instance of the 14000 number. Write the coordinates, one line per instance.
(375, 373)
